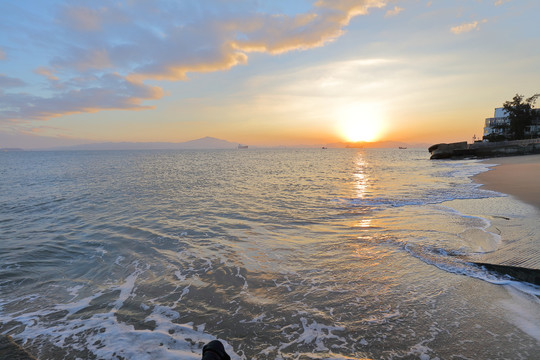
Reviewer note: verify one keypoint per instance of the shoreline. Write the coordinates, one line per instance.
(517, 255)
(517, 176)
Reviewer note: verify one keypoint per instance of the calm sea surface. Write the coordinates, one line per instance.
(280, 254)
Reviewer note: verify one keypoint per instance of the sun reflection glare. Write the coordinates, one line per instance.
(364, 223)
(372, 253)
(361, 179)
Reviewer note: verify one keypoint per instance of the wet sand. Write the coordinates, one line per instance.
(518, 254)
(518, 176)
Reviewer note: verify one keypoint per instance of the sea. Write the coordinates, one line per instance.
(277, 253)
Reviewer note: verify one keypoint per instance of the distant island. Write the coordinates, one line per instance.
(205, 143)
(11, 149)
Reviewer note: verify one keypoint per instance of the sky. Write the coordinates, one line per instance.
(267, 73)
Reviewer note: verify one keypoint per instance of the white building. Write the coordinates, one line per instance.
(496, 124)
(499, 124)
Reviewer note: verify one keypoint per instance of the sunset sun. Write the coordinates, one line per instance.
(360, 122)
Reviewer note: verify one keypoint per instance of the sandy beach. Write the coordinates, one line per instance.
(518, 176)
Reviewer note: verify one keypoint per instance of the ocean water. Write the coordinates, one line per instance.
(280, 254)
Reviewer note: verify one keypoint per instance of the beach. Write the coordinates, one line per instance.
(516, 176)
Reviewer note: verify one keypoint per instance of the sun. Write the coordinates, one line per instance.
(360, 122)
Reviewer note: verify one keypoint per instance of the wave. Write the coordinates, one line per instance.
(93, 327)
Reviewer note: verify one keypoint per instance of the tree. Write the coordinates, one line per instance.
(521, 114)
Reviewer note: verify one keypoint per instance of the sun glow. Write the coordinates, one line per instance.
(360, 122)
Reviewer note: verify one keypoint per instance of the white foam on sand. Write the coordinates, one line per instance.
(106, 337)
(522, 311)
(314, 333)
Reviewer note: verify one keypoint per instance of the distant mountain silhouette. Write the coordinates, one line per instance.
(208, 143)
(202, 143)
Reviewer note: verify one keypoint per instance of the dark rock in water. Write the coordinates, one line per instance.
(443, 151)
(10, 350)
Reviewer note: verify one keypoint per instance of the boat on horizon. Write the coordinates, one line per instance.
(240, 146)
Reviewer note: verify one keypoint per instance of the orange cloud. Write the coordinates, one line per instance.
(393, 12)
(48, 73)
(464, 28)
(279, 34)
(226, 41)
(351, 7)
(178, 71)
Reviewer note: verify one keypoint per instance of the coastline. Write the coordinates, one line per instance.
(516, 176)
(515, 219)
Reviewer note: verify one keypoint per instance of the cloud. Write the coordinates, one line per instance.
(108, 50)
(161, 47)
(7, 82)
(500, 2)
(42, 129)
(467, 27)
(83, 59)
(82, 18)
(276, 34)
(165, 41)
(109, 92)
(351, 7)
(393, 12)
(48, 73)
